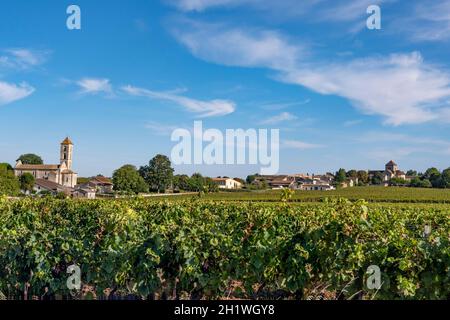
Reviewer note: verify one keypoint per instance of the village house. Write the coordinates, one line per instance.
(42, 185)
(316, 187)
(100, 185)
(227, 183)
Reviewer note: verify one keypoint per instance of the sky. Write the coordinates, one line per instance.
(342, 95)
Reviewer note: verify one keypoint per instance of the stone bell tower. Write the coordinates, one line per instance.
(66, 153)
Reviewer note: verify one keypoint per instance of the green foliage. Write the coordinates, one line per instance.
(412, 173)
(61, 196)
(286, 195)
(352, 174)
(373, 194)
(341, 176)
(377, 178)
(127, 179)
(251, 178)
(446, 178)
(419, 183)
(158, 174)
(9, 184)
(363, 177)
(31, 158)
(27, 182)
(398, 182)
(83, 180)
(181, 182)
(201, 249)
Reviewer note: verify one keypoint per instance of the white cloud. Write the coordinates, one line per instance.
(10, 92)
(211, 108)
(201, 5)
(282, 117)
(351, 123)
(300, 145)
(280, 105)
(160, 129)
(429, 22)
(401, 88)
(235, 47)
(94, 85)
(21, 58)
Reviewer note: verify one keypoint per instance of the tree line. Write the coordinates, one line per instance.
(11, 185)
(431, 178)
(158, 176)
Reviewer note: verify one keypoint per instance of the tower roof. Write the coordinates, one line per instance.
(391, 163)
(67, 141)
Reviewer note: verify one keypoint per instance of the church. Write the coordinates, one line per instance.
(60, 174)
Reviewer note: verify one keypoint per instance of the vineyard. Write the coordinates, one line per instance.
(199, 249)
(371, 194)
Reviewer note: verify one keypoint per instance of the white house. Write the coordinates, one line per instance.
(227, 183)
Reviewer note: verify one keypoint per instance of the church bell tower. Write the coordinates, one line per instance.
(66, 153)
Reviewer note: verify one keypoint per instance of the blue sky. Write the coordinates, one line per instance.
(342, 95)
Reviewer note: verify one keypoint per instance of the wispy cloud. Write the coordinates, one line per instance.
(282, 117)
(235, 47)
(160, 129)
(351, 123)
(300, 145)
(10, 92)
(289, 7)
(280, 105)
(21, 59)
(428, 21)
(210, 108)
(402, 88)
(314, 11)
(94, 86)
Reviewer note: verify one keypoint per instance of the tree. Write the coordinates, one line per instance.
(398, 182)
(9, 184)
(411, 173)
(352, 174)
(181, 182)
(31, 158)
(446, 178)
(127, 179)
(27, 182)
(377, 178)
(418, 183)
(341, 176)
(363, 177)
(158, 174)
(433, 175)
(196, 182)
(82, 180)
(251, 178)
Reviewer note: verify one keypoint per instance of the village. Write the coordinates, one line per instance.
(60, 179)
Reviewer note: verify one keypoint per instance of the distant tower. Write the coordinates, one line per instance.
(391, 166)
(67, 152)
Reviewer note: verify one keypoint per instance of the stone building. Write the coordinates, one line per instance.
(61, 174)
